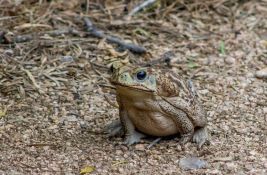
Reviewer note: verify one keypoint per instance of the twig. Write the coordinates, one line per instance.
(31, 77)
(29, 25)
(99, 34)
(41, 144)
(140, 7)
(7, 18)
(5, 39)
(154, 142)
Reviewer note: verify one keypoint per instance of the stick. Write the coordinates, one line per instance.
(140, 7)
(154, 142)
(92, 30)
(4, 39)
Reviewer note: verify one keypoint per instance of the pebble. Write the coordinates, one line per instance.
(9, 52)
(262, 73)
(67, 59)
(215, 171)
(140, 147)
(118, 152)
(231, 166)
(204, 91)
(71, 118)
(189, 163)
(250, 75)
(230, 60)
(66, 119)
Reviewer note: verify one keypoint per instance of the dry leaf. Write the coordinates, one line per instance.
(2, 113)
(114, 53)
(87, 169)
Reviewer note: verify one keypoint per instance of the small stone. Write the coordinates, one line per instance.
(250, 75)
(262, 73)
(230, 60)
(265, 110)
(52, 127)
(9, 52)
(118, 152)
(67, 119)
(87, 118)
(215, 172)
(239, 54)
(67, 59)
(179, 148)
(83, 124)
(231, 166)
(120, 170)
(140, 147)
(253, 153)
(68, 143)
(72, 118)
(204, 91)
(189, 163)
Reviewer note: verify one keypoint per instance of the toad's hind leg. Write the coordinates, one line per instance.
(195, 112)
(184, 124)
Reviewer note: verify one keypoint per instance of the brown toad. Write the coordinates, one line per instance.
(157, 103)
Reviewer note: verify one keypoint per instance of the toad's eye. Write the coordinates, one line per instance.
(141, 75)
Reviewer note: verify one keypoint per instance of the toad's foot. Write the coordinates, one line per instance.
(114, 129)
(186, 138)
(201, 136)
(134, 137)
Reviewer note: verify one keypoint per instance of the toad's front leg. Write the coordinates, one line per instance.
(114, 128)
(131, 135)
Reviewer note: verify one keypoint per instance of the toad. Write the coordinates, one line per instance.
(156, 102)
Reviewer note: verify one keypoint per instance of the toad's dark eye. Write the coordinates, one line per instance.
(141, 75)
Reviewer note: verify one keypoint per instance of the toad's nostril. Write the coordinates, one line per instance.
(123, 76)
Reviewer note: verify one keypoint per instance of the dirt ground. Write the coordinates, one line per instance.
(52, 86)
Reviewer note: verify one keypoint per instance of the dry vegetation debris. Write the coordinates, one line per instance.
(53, 77)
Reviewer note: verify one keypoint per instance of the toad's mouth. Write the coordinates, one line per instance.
(136, 88)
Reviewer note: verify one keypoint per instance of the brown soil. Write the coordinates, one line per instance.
(52, 105)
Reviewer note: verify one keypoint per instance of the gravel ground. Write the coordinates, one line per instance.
(53, 110)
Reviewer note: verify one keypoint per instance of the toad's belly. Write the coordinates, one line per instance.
(153, 123)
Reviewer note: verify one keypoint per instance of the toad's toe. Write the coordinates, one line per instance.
(114, 129)
(133, 138)
(186, 138)
(201, 136)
